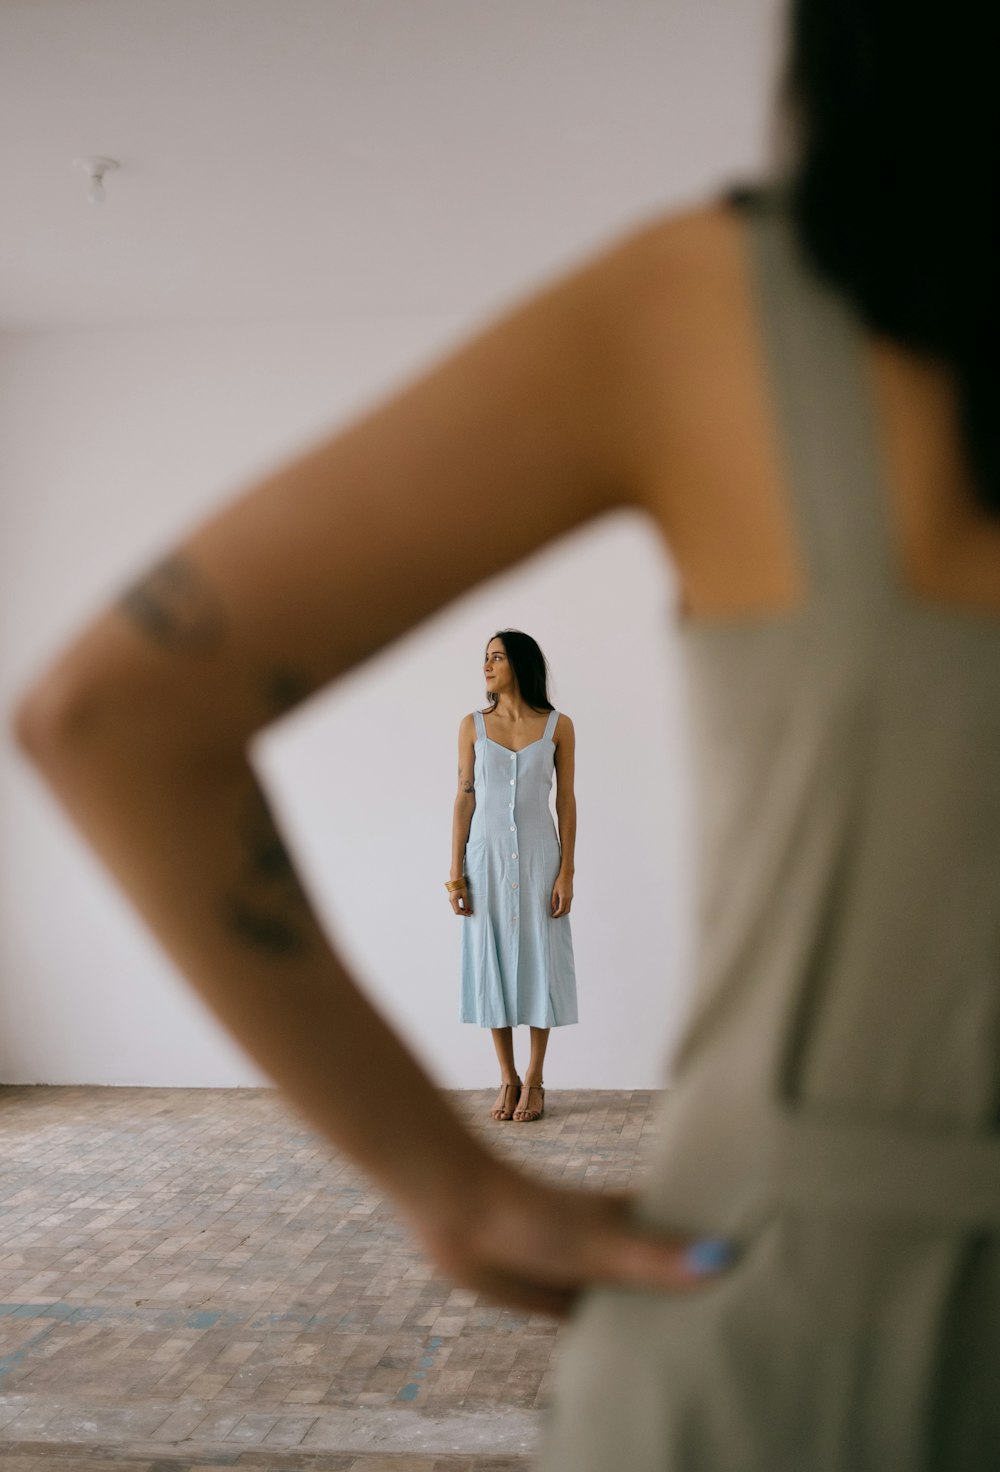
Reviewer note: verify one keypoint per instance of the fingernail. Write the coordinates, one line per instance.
(709, 1255)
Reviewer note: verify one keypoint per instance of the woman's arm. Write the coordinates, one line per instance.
(565, 760)
(465, 806)
(142, 730)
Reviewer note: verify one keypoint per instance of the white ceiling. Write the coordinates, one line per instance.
(290, 158)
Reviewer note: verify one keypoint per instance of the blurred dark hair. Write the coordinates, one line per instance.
(894, 191)
(530, 668)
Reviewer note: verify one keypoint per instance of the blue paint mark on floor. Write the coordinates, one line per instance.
(70, 1313)
(63, 1311)
(302, 1319)
(53, 1314)
(17, 1357)
(412, 1389)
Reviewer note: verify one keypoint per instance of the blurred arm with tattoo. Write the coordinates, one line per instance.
(142, 731)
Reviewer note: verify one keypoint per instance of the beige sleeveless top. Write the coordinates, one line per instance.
(835, 1100)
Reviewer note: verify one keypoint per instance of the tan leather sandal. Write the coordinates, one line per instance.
(524, 1113)
(504, 1107)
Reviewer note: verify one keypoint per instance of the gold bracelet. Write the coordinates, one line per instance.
(452, 884)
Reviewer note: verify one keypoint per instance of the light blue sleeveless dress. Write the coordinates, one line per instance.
(517, 961)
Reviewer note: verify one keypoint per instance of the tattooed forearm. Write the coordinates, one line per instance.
(267, 907)
(174, 607)
(468, 786)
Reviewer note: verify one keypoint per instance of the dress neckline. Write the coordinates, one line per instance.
(513, 749)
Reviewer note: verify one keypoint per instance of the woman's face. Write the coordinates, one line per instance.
(499, 675)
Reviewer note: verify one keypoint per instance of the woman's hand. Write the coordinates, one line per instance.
(562, 895)
(537, 1247)
(460, 901)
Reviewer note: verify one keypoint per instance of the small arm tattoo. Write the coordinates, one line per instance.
(173, 606)
(267, 907)
(468, 785)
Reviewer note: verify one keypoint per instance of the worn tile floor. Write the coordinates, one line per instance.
(189, 1279)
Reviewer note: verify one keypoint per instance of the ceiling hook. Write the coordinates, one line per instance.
(95, 168)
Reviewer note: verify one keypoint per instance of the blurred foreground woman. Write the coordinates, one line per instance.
(799, 386)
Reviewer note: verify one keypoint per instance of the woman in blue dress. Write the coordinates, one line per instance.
(511, 870)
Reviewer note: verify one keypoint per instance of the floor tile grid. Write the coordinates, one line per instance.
(200, 1263)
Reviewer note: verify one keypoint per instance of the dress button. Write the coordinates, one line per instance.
(513, 856)
(513, 756)
(512, 828)
(511, 781)
(513, 886)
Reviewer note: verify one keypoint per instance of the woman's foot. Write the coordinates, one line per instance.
(531, 1104)
(508, 1100)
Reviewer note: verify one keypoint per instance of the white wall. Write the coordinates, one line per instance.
(349, 183)
(113, 443)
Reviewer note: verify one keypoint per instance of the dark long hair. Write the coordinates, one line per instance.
(530, 668)
(894, 191)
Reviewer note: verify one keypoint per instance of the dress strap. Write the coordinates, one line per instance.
(815, 347)
(477, 716)
(550, 725)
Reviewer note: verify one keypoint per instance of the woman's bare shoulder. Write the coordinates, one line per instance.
(665, 261)
(676, 289)
(670, 251)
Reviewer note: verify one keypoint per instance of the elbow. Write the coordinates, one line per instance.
(53, 717)
(103, 717)
(26, 725)
(78, 717)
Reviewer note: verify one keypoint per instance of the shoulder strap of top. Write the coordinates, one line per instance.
(477, 716)
(550, 724)
(814, 345)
